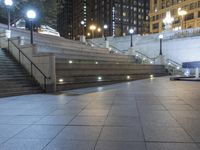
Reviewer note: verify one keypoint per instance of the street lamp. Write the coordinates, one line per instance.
(93, 28)
(182, 13)
(131, 31)
(83, 25)
(160, 37)
(8, 4)
(105, 28)
(31, 15)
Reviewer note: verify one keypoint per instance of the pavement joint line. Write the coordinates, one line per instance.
(141, 125)
(63, 128)
(179, 124)
(104, 123)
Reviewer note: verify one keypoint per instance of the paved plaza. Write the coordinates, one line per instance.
(146, 114)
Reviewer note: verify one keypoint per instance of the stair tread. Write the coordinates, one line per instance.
(15, 80)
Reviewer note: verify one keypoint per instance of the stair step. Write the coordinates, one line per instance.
(19, 93)
(19, 89)
(14, 79)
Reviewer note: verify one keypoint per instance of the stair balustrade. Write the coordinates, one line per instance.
(32, 64)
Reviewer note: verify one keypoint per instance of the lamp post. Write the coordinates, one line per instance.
(131, 31)
(161, 38)
(83, 26)
(182, 13)
(8, 4)
(31, 15)
(93, 28)
(105, 27)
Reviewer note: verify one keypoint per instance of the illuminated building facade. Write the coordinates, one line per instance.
(65, 20)
(186, 14)
(118, 15)
(121, 15)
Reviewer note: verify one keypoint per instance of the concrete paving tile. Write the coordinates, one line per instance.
(94, 112)
(24, 120)
(172, 146)
(55, 120)
(24, 144)
(122, 134)
(40, 111)
(151, 107)
(108, 145)
(40, 132)
(70, 145)
(178, 107)
(185, 114)
(122, 121)
(165, 134)
(80, 133)
(65, 112)
(87, 120)
(119, 111)
(98, 106)
(10, 130)
(149, 102)
(3, 140)
(5, 118)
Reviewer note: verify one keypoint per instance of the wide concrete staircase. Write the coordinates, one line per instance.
(76, 65)
(14, 78)
(86, 74)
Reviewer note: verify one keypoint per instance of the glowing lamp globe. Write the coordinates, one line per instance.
(131, 31)
(31, 14)
(105, 26)
(161, 36)
(8, 2)
(82, 22)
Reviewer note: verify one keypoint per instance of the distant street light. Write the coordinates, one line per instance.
(131, 31)
(99, 30)
(88, 34)
(182, 13)
(93, 28)
(8, 4)
(161, 38)
(105, 27)
(83, 26)
(31, 15)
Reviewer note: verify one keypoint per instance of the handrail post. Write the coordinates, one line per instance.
(8, 45)
(31, 69)
(32, 65)
(19, 56)
(45, 85)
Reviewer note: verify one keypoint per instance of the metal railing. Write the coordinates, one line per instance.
(20, 52)
(144, 58)
(173, 67)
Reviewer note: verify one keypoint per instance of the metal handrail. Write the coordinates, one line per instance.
(153, 59)
(177, 64)
(32, 63)
(116, 49)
